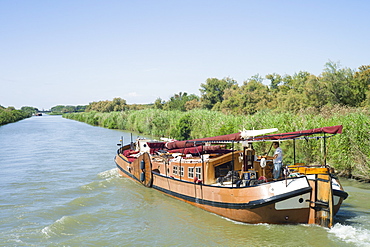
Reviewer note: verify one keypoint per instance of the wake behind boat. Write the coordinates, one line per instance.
(212, 174)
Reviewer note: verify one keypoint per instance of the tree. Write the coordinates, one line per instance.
(57, 109)
(256, 95)
(233, 100)
(29, 109)
(178, 101)
(212, 92)
(275, 80)
(158, 104)
(251, 97)
(80, 108)
(10, 115)
(344, 86)
(193, 104)
(117, 104)
(290, 94)
(298, 81)
(363, 78)
(315, 93)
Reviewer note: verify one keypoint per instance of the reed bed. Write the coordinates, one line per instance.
(349, 152)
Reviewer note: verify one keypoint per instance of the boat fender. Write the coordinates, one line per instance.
(142, 176)
(142, 164)
(262, 179)
(263, 163)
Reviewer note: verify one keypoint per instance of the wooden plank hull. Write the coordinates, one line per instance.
(322, 202)
(276, 202)
(140, 170)
(240, 204)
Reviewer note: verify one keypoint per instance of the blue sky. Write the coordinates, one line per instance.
(73, 52)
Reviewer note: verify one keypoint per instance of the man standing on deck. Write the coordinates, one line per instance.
(278, 160)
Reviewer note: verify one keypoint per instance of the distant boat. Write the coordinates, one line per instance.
(38, 114)
(238, 184)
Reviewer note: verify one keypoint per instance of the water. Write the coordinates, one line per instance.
(59, 187)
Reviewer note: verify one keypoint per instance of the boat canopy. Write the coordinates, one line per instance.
(298, 134)
(238, 137)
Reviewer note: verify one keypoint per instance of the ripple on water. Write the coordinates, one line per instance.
(355, 235)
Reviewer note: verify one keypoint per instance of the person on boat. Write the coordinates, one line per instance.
(277, 159)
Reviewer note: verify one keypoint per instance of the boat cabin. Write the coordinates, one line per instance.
(207, 164)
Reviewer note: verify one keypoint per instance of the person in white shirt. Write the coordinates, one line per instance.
(278, 160)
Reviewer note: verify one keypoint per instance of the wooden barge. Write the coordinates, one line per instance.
(237, 184)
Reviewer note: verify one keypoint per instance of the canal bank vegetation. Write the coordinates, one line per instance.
(338, 96)
(349, 152)
(11, 115)
(62, 109)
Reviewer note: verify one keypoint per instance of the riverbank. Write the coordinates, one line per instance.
(348, 153)
(11, 115)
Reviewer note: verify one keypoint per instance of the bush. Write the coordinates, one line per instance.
(11, 115)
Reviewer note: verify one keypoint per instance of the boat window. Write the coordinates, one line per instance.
(175, 170)
(198, 172)
(181, 171)
(191, 172)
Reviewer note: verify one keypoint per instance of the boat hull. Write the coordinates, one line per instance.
(277, 202)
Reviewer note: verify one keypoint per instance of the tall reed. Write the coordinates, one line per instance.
(349, 152)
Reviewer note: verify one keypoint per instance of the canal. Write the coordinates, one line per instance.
(60, 187)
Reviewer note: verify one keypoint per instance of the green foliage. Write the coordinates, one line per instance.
(117, 104)
(29, 110)
(178, 101)
(335, 86)
(363, 78)
(251, 97)
(213, 91)
(301, 101)
(275, 81)
(158, 104)
(61, 109)
(349, 152)
(341, 86)
(182, 130)
(11, 115)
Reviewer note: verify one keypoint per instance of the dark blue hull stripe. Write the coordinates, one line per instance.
(340, 193)
(248, 205)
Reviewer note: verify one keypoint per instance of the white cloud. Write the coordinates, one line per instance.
(133, 94)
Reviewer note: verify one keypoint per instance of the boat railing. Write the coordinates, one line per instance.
(310, 169)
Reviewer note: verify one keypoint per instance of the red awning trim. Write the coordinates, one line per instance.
(237, 138)
(200, 150)
(293, 135)
(190, 143)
